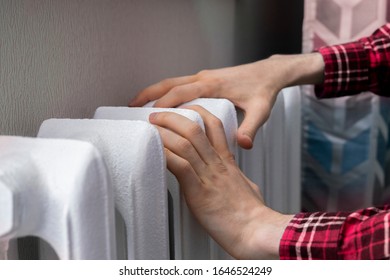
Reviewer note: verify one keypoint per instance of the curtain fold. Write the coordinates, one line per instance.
(345, 147)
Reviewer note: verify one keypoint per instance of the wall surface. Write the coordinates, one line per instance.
(63, 59)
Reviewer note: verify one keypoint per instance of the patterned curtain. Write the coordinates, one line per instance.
(346, 143)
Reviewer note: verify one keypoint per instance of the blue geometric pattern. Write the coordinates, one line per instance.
(345, 145)
(356, 151)
(319, 147)
(345, 163)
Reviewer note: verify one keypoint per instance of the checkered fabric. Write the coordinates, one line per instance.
(359, 66)
(364, 234)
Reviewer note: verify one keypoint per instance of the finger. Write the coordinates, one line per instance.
(182, 170)
(183, 93)
(214, 131)
(190, 131)
(157, 90)
(255, 116)
(183, 148)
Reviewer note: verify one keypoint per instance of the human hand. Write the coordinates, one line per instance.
(251, 87)
(241, 84)
(224, 201)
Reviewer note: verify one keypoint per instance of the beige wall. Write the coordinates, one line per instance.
(65, 58)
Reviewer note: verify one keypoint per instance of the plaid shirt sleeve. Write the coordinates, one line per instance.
(364, 234)
(359, 66)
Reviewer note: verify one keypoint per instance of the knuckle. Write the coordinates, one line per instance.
(203, 73)
(184, 145)
(186, 167)
(175, 90)
(194, 130)
(166, 83)
(215, 122)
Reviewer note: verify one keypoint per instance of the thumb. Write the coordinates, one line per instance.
(255, 117)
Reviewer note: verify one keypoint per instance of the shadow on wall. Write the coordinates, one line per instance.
(267, 27)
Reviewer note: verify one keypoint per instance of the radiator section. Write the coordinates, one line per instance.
(57, 190)
(99, 188)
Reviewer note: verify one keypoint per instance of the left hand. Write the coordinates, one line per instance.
(225, 202)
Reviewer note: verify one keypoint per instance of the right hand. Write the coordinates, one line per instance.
(251, 87)
(224, 201)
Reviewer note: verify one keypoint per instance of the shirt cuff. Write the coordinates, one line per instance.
(311, 236)
(346, 70)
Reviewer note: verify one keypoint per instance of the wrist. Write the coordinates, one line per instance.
(264, 237)
(299, 69)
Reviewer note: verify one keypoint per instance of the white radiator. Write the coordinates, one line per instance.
(274, 162)
(66, 191)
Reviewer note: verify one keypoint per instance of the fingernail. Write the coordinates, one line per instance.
(152, 116)
(246, 141)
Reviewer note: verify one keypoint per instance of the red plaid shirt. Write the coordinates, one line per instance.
(358, 66)
(365, 234)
